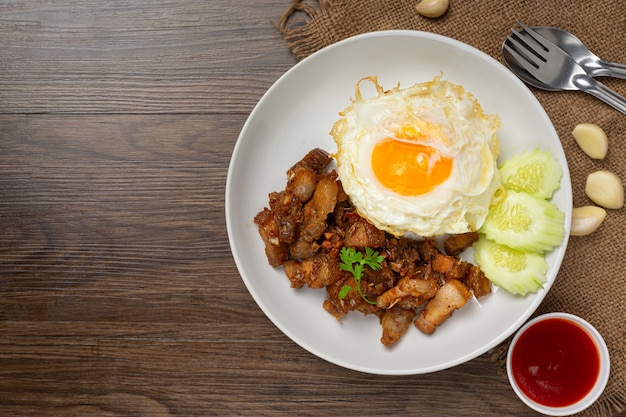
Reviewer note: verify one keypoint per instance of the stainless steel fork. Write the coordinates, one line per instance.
(541, 63)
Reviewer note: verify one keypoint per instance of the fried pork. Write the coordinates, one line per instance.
(307, 224)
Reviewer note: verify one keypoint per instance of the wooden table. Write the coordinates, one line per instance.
(118, 292)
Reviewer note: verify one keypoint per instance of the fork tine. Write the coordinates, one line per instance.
(524, 50)
(522, 60)
(541, 41)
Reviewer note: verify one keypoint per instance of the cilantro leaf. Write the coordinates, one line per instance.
(344, 291)
(373, 259)
(354, 262)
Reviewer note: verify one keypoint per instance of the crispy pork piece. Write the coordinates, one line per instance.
(317, 271)
(450, 297)
(404, 257)
(423, 289)
(317, 159)
(334, 308)
(275, 250)
(303, 249)
(288, 214)
(430, 273)
(362, 234)
(375, 283)
(301, 184)
(411, 302)
(302, 177)
(428, 250)
(316, 211)
(324, 271)
(340, 307)
(295, 273)
(478, 282)
(395, 322)
(454, 245)
(451, 267)
(367, 308)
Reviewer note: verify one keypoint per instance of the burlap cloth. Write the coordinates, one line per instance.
(592, 279)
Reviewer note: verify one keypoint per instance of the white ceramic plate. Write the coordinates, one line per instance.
(296, 115)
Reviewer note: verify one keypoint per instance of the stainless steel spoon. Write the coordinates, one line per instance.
(592, 64)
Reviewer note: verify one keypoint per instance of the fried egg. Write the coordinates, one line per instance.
(420, 160)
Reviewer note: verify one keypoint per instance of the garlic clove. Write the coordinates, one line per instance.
(605, 189)
(432, 8)
(591, 139)
(586, 220)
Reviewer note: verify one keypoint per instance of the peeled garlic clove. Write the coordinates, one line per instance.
(432, 8)
(591, 139)
(605, 189)
(586, 220)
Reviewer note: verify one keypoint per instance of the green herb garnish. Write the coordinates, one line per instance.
(354, 262)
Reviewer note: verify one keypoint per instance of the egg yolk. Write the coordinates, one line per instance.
(409, 168)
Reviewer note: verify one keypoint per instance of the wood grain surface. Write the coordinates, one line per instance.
(118, 292)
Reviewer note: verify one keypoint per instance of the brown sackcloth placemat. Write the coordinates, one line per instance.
(592, 279)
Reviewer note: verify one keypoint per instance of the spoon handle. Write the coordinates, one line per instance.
(611, 69)
(599, 90)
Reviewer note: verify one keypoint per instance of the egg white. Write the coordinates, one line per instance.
(454, 124)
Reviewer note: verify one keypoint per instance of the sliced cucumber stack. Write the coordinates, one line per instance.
(515, 271)
(525, 222)
(536, 172)
(522, 226)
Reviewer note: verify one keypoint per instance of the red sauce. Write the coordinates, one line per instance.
(555, 362)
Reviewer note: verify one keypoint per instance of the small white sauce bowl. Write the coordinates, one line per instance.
(592, 395)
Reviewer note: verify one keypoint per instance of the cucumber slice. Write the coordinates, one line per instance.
(525, 222)
(536, 172)
(513, 270)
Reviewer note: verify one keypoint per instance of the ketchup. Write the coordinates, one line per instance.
(555, 362)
